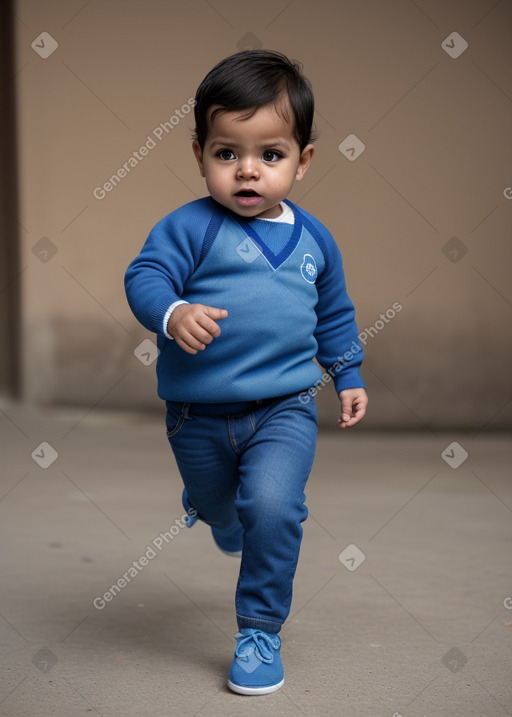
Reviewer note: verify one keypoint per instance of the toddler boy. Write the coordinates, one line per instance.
(244, 290)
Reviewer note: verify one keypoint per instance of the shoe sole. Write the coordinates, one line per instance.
(254, 690)
(238, 553)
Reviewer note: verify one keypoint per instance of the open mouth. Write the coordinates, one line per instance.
(248, 197)
(247, 193)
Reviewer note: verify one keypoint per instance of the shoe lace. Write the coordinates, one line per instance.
(263, 643)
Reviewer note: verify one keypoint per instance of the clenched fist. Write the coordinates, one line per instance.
(193, 326)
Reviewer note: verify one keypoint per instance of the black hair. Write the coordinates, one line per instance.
(251, 79)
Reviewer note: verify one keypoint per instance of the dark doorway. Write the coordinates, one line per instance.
(10, 376)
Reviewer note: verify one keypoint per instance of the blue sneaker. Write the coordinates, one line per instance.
(191, 518)
(228, 540)
(256, 668)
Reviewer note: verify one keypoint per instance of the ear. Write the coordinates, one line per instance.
(305, 160)
(198, 152)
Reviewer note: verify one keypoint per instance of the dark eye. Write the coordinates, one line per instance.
(269, 155)
(225, 154)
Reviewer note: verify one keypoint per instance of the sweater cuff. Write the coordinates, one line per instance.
(168, 316)
(346, 380)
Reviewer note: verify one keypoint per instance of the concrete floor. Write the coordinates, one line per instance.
(422, 626)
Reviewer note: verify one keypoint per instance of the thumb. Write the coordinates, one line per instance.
(215, 313)
(346, 407)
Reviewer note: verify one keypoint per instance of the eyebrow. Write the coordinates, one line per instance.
(273, 142)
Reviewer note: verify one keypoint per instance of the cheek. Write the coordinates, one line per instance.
(216, 182)
(284, 178)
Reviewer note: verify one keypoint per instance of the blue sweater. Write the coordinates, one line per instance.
(283, 287)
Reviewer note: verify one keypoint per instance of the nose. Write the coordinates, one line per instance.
(247, 169)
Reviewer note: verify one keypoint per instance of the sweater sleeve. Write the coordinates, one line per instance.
(339, 348)
(156, 278)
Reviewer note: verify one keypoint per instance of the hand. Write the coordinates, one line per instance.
(353, 406)
(193, 326)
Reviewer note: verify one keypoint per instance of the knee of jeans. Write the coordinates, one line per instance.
(217, 515)
(264, 509)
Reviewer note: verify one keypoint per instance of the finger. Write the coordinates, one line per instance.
(185, 347)
(357, 415)
(189, 343)
(215, 313)
(207, 328)
(204, 333)
(194, 327)
(346, 424)
(346, 408)
(359, 411)
(207, 319)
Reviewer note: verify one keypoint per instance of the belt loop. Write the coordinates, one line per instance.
(185, 409)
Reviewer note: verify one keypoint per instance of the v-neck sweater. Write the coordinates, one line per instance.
(283, 286)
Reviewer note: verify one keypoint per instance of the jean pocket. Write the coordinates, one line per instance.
(175, 418)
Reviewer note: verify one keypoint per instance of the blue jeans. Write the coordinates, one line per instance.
(250, 461)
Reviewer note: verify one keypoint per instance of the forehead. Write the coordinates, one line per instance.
(268, 120)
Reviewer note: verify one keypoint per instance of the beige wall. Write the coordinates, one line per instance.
(436, 166)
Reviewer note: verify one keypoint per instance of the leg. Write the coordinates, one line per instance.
(274, 468)
(206, 461)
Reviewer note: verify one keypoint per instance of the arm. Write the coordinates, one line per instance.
(339, 348)
(155, 280)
